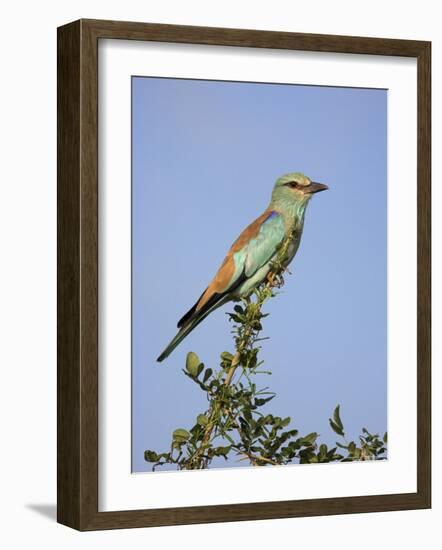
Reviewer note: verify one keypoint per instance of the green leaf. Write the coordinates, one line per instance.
(192, 363)
(310, 438)
(207, 374)
(180, 435)
(335, 427)
(202, 420)
(199, 369)
(385, 438)
(236, 318)
(223, 450)
(259, 402)
(226, 356)
(337, 418)
(151, 456)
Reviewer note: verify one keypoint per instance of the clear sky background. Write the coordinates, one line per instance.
(205, 158)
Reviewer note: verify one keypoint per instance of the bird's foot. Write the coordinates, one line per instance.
(274, 280)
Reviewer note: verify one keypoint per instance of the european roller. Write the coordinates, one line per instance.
(250, 257)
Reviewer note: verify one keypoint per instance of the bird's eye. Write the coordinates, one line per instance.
(292, 184)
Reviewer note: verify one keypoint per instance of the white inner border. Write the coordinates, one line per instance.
(119, 489)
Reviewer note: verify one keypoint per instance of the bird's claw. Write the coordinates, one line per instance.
(275, 280)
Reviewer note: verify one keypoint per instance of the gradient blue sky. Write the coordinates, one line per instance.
(205, 158)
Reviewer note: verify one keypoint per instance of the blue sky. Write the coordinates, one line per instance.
(205, 158)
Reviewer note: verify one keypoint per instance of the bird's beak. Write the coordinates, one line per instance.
(315, 187)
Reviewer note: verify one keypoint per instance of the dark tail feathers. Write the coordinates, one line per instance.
(191, 320)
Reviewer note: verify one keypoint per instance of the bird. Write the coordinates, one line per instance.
(248, 262)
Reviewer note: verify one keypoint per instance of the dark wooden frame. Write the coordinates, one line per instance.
(77, 224)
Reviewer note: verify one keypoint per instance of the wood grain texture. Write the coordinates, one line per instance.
(77, 225)
(253, 38)
(424, 274)
(68, 275)
(77, 168)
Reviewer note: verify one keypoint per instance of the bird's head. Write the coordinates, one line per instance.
(295, 188)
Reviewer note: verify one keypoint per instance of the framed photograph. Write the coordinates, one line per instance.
(243, 274)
